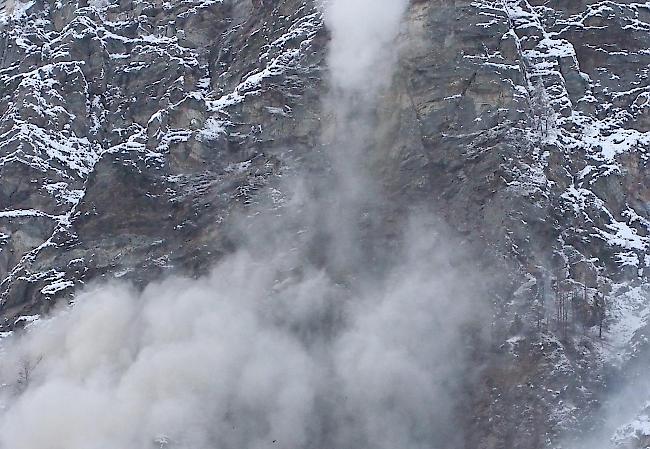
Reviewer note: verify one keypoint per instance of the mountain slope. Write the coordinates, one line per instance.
(133, 132)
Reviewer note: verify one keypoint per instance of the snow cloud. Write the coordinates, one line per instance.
(245, 357)
(363, 46)
(301, 339)
(362, 59)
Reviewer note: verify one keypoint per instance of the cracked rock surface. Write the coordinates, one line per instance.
(132, 130)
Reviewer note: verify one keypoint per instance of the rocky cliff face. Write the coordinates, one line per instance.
(132, 131)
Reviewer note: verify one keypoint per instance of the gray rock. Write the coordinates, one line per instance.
(132, 134)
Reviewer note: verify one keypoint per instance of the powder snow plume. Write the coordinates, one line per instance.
(274, 348)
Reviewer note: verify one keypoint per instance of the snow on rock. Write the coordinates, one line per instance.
(629, 312)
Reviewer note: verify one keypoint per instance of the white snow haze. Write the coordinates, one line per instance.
(362, 48)
(271, 349)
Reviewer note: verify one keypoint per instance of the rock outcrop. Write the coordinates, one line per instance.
(132, 131)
